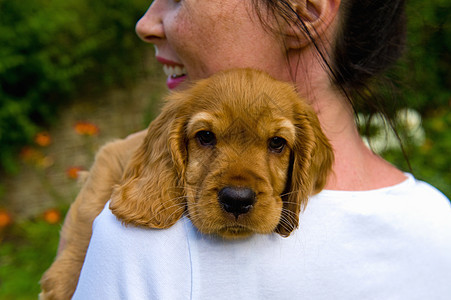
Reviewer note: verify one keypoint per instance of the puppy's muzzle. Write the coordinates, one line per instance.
(236, 200)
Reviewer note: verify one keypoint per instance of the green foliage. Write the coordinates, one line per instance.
(424, 72)
(53, 50)
(430, 161)
(425, 86)
(423, 82)
(26, 252)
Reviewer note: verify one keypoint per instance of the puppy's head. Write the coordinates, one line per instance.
(239, 152)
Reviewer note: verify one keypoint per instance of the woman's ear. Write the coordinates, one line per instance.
(310, 20)
(310, 164)
(152, 190)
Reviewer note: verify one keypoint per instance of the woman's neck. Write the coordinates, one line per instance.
(356, 167)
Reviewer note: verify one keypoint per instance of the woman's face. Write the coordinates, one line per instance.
(196, 38)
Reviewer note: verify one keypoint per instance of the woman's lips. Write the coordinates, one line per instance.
(176, 72)
(168, 62)
(173, 82)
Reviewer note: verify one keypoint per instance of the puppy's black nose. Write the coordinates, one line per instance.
(236, 200)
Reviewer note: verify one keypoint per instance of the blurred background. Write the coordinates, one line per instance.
(73, 75)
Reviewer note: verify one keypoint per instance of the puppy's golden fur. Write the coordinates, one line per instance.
(60, 280)
(239, 129)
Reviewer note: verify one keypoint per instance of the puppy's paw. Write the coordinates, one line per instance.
(44, 296)
(59, 281)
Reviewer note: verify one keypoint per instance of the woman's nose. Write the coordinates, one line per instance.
(150, 27)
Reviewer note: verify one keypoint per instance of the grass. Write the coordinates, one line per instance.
(27, 249)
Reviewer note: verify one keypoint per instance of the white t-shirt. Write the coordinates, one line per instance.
(390, 243)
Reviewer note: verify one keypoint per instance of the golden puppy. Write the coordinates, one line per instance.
(239, 153)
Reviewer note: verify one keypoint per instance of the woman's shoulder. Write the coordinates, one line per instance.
(108, 227)
(134, 263)
(412, 207)
(409, 189)
(119, 244)
(417, 191)
(422, 188)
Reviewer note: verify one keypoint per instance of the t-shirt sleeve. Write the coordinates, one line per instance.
(134, 263)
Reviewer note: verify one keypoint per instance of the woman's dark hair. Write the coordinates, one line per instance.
(371, 38)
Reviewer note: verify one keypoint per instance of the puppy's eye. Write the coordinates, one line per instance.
(206, 138)
(277, 144)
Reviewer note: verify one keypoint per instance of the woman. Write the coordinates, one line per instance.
(375, 232)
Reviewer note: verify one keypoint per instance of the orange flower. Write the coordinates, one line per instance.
(28, 154)
(43, 139)
(86, 128)
(5, 218)
(31, 155)
(72, 172)
(35, 158)
(52, 216)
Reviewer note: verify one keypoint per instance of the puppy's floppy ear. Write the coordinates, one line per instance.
(310, 164)
(152, 190)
